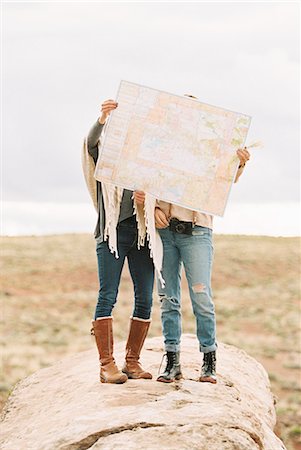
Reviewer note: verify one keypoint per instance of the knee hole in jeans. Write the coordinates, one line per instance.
(198, 288)
(169, 303)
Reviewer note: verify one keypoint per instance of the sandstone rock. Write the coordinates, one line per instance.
(65, 407)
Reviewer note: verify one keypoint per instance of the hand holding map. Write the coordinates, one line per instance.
(175, 148)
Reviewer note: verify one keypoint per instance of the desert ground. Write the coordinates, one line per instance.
(49, 290)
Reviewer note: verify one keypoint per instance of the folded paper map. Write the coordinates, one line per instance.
(176, 148)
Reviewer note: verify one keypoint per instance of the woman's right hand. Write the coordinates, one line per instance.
(161, 220)
(106, 108)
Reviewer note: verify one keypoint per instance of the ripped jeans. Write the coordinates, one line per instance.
(196, 253)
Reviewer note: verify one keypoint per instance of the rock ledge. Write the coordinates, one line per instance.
(65, 407)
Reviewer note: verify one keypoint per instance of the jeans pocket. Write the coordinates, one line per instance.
(163, 230)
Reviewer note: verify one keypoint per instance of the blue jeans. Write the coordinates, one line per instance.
(196, 253)
(109, 272)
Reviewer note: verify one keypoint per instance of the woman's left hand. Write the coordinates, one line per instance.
(139, 196)
(243, 156)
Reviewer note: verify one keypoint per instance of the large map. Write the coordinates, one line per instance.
(175, 148)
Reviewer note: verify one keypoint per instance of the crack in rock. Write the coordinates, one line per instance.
(252, 435)
(87, 442)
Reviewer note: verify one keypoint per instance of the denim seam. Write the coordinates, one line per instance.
(133, 272)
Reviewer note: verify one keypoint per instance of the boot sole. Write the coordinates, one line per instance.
(103, 380)
(135, 377)
(164, 380)
(207, 380)
(113, 382)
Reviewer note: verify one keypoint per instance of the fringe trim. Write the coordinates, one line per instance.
(112, 196)
(152, 236)
(139, 215)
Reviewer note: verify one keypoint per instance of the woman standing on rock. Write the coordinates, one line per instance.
(187, 240)
(120, 232)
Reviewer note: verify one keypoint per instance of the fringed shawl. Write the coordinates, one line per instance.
(112, 196)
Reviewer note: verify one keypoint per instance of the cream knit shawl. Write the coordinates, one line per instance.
(112, 196)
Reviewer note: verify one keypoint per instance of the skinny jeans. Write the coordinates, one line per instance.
(109, 272)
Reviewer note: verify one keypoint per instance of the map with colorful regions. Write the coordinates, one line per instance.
(175, 148)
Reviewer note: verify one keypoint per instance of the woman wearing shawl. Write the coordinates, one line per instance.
(118, 235)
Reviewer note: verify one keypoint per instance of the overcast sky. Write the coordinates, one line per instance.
(61, 60)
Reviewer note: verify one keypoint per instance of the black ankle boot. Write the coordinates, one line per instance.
(172, 370)
(209, 368)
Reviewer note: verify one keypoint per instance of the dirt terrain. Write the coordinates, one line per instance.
(49, 289)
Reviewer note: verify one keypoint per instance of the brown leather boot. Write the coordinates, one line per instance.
(103, 332)
(137, 335)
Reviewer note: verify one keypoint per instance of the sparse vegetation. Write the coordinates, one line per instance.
(49, 290)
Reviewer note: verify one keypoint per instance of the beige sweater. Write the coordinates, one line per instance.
(171, 210)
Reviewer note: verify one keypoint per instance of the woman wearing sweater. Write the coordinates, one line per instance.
(117, 238)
